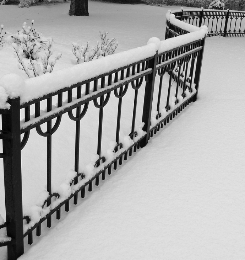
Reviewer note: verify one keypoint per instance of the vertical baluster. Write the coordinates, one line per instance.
(167, 107)
(119, 108)
(27, 113)
(126, 155)
(37, 109)
(109, 169)
(134, 113)
(184, 84)
(95, 84)
(178, 83)
(240, 25)
(234, 30)
(103, 175)
(109, 79)
(159, 94)
(97, 180)
(60, 97)
(216, 28)
(30, 238)
(116, 77)
(119, 114)
(201, 18)
(87, 88)
(212, 18)
(192, 71)
(77, 141)
(49, 157)
(38, 230)
(69, 92)
(243, 26)
(58, 213)
(120, 160)
(226, 22)
(115, 165)
(83, 192)
(90, 186)
(67, 206)
(100, 127)
(102, 82)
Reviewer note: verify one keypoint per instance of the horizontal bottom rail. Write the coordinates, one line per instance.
(108, 168)
(171, 115)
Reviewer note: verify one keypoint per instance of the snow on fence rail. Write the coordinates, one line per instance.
(167, 72)
(219, 22)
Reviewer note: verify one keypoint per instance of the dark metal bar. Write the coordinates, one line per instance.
(178, 83)
(38, 230)
(167, 107)
(60, 95)
(119, 108)
(226, 22)
(77, 149)
(100, 127)
(13, 179)
(27, 113)
(159, 94)
(77, 141)
(49, 157)
(147, 107)
(200, 19)
(37, 109)
(198, 69)
(184, 84)
(134, 113)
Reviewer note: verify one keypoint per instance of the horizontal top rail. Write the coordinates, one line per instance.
(219, 22)
(68, 106)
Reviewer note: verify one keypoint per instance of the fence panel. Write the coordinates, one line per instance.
(219, 22)
(111, 116)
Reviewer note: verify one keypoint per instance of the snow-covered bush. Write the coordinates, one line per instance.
(217, 4)
(86, 53)
(26, 3)
(33, 51)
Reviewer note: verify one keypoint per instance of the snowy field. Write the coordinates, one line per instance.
(181, 197)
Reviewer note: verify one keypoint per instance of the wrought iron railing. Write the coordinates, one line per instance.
(219, 22)
(169, 80)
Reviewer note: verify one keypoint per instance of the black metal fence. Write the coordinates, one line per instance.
(219, 22)
(167, 81)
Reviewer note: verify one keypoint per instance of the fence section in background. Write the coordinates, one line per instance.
(219, 22)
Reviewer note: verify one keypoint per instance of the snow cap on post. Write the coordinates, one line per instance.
(155, 42)
(204, 28)
(13, 85)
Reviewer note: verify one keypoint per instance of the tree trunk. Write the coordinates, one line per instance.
(79, 8)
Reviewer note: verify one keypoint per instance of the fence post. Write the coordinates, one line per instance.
(149, 89)
(12, 178)
(226, 22)
(182, 14)
(201, 17)
(167, 30)
(198, 69)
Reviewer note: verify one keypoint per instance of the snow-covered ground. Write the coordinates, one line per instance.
(181, 197)
(122, 22)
